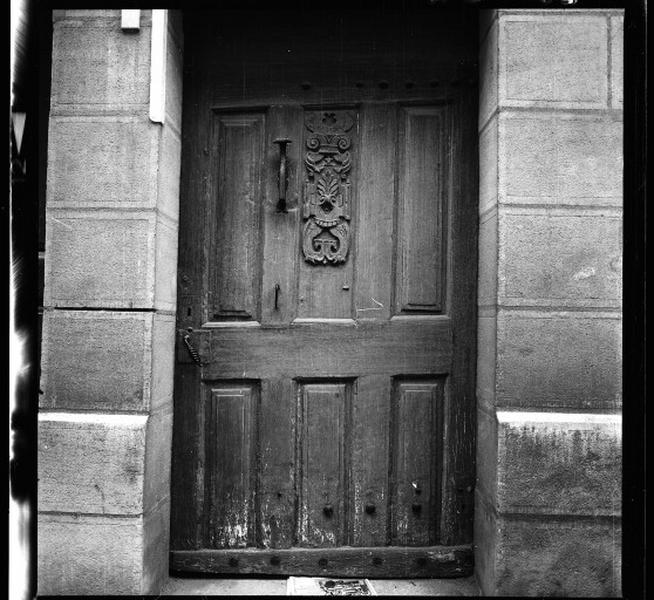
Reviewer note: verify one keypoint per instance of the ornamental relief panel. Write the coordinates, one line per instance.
(326, 201)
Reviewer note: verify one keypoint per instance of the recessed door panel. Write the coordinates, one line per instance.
(323, 463)
(234, 229)
(231, 424)
(416, 457)
(422, 180)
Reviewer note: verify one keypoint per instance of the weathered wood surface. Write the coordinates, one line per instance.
(422, 201)
(396, 562)
(416, 451)
(325, 350)
(326, 390)
(235, 244)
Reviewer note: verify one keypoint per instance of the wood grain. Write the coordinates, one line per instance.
(375, 212)
(277, 485)
(415, 346)
(431, 561)
(187, 523)
(459, 425)
(324, 415)
(325, 291)
(416, 441)
(280, 255)
(231, 440)
(422, 194)
(361, 378)
(234, 258)
(369, 462)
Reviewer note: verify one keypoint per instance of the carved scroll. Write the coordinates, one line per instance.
(326, 209)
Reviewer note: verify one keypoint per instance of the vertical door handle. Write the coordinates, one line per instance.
(277, 288)
(281, 203)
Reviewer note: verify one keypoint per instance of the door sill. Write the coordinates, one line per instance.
(265, 586)
(373, 562)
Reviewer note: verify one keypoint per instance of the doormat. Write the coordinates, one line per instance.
(321, 586)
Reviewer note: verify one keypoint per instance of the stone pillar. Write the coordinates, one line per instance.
(547, 508)
(105, 419)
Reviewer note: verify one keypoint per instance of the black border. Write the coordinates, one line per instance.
(25, 243)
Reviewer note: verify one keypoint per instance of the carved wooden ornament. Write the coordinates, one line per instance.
(326, 209)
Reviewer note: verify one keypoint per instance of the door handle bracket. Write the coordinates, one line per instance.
(195, 355)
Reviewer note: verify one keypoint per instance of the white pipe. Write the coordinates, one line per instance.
(158, 66)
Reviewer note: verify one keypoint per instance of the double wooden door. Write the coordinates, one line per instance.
(324, 396)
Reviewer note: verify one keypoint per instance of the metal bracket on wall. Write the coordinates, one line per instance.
(130, 20)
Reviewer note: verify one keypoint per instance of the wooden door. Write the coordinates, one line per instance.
(324, 395)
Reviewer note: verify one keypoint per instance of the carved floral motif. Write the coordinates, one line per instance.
(326, 233)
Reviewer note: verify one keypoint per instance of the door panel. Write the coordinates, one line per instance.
(280, 256)
(422, 198)
(324, 389)
(324, 423)
(375, 208)
(231, 423)
(330, 155)
(237, 152)
(416, 455)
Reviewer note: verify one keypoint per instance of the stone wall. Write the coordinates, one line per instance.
(547, 513)
(105, 420)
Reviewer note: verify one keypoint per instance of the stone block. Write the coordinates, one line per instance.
(79, 14)
(163, 362)
(170, 155)
(106, 162)
(156, 536)
(553, 60)
(166, 261)
(485, 543)
(558, 463)
(487, 454)
(96, 360)
(559, 360)
(488, 75)
(560, 258)
(560, 158)
(95, 63)
(486, 358)
(563, 558)
(103, 259)
(157, 459)
(101, 360)
(89, 555)
(617, 61)
(487, 270)
(91, 463)
(488, 161)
